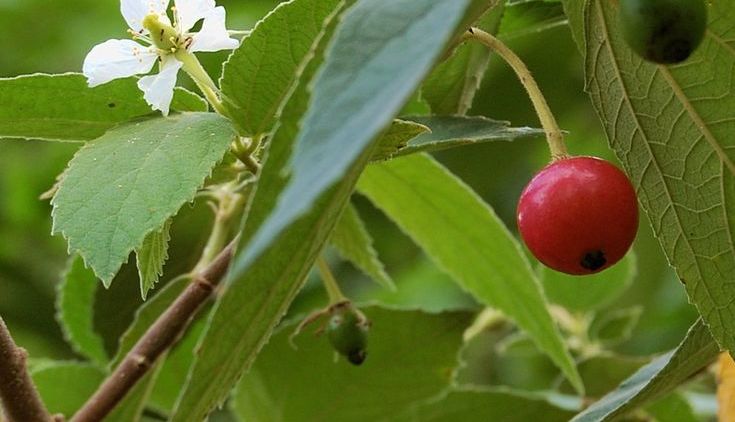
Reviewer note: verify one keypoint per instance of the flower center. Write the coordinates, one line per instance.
(163, 35)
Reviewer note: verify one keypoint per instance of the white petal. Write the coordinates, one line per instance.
(115, 59)
(158, 90)
(189, 12)
(135, 10)
(214, 35)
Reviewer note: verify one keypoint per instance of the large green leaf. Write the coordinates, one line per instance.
(658, 378)
(465, 237)
(75, 311)
(399, 371)
(127, 183)
(451, 86)
(65, 386)
(672, 129)
(259, 75)
(355, 244)
(490, 404)
(63, 108)
(358, 91)
(586, 293)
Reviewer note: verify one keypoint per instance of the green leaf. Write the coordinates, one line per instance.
(357, 93)
(396, 138)
(602, 373)
(658, 378)
(399, 371)
(75, 311)
(151, 256)
(490, 404)
(451, 86)
(65, 386)
(63, 108)
(454, 131)
(672, 408)
(466, 239)
(354, 243)
(127, 183)
(586, 293)
(672, 129)
(616, 326)
(531, 17)
(259, 75)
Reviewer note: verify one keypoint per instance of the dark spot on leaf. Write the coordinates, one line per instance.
(593, 260)
(357, 357)
(111, 105)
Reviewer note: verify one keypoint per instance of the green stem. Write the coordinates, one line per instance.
(229, 204)
(200, 76)
(554, 135)
(330, 283)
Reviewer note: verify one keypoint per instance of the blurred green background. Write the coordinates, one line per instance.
(54, 36)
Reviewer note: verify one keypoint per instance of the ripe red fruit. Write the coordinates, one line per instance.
(578, 215)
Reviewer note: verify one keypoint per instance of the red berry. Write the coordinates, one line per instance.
(578, 215)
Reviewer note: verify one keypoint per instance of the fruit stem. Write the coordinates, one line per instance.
(554, 135)
(330, 283)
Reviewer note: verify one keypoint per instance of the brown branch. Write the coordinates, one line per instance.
(167, 329)
(20, 399)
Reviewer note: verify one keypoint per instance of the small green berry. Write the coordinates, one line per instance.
(663, 31)
(347, 333)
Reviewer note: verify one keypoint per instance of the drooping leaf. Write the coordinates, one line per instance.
(63, 108)
(451, 86)
(671, 127)
(359, 90)
(399, 371)
(65, 386)
(151, 256)
(466, 239)
(355, 244)
(259, 74)
(127, 183)
(590, 292)
(75, 308)
(490, 404)
(658, 378)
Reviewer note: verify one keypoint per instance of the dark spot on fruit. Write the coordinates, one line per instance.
(357, 357)
(111, 105)
(593, 260)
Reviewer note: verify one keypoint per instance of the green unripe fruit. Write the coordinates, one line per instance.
(348, 335)
(663, 31)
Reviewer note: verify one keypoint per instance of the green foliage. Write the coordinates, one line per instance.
(259, 75)
(354, 243)
(675, 145)
(400, 371)
(127, 183)
(74, 310)
(658, 378)
(63, 108)
(444, 216)
(151, 257)
(586, 293)
(65, 386)
(616, 326)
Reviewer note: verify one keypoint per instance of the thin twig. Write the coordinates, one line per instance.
(167, 329)
(20, 399)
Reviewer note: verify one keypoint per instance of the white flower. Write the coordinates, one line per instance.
(157, 39)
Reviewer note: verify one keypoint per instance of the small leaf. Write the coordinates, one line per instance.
(396, 138)
(615, 327)
(63, 108)
(355, 244)
(65, 386)
(377, 390)
(151, 256)
(455, 131)
(658, 378)
(591, 292)
(75, 311)
(127, 183)
(445, 217)
(490, 404)
(259, 74)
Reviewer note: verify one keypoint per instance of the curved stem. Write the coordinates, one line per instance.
(554, 136)
(330, 283)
